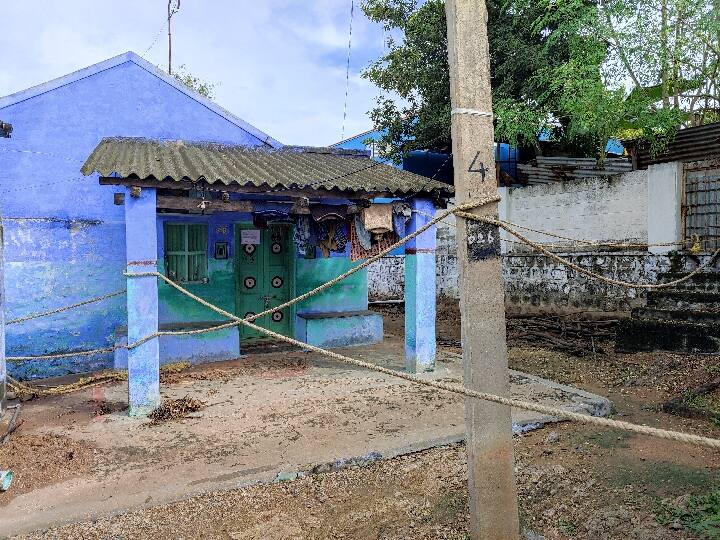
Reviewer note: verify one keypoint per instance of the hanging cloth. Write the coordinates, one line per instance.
(363, 236)
(378, 218)
(332, 237)
(303, 235)
(357, 252)
(401, 216)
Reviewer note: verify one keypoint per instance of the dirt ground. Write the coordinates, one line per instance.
(575, 482)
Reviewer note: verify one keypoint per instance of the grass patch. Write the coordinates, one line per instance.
(447, 508)
(709, 401)
(566, 526)
(702, 402)
(700, 514)
(607, 440)
(612, 439)
(661, 479)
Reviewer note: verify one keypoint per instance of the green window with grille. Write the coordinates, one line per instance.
(186, 252)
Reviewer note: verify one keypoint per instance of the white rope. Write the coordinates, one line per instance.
(64, 308)
(526, 405)
(471, 112)
(457, 389)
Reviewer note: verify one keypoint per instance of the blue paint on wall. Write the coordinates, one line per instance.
(64, 237)
(196, 349)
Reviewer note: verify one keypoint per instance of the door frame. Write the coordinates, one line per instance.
(237, 227)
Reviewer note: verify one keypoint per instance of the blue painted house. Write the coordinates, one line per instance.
(175, 183)
(64, 236)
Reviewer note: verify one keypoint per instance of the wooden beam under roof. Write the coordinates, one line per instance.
(192, 204)
(248, 189)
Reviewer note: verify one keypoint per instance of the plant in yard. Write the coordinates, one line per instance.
(700, 514)
(566, 526)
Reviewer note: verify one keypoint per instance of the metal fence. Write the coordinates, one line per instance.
(701, 204)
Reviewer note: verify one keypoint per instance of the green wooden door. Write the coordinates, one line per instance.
(264, 277)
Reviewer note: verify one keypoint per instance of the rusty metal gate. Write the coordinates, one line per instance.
(701, 204)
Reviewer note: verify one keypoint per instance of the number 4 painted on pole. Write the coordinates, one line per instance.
(476, 167)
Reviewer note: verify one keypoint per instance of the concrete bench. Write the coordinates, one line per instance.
(340, 328)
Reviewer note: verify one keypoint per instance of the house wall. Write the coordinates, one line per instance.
(535, 284)
(64, 237)
(350, 295)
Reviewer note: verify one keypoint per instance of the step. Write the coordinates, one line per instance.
(340, 328)
(703, 282)
(683, 300)
(636, 335)
(658, 314)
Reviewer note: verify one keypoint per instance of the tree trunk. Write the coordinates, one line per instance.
(664, 64)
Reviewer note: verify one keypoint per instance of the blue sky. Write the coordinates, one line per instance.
(280, 64)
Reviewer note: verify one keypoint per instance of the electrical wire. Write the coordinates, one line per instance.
(347, 69)
(37, 152)
(157, 36)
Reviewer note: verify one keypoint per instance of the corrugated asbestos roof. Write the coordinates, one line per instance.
(289, 167)
(690, 144)
(544, 170)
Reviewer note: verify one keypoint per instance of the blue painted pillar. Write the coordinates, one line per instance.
(142, 301)
(3, 368)
(420, 295)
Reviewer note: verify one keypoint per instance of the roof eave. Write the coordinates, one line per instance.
(186, 184)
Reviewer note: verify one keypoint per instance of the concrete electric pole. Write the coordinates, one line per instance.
(491, 481)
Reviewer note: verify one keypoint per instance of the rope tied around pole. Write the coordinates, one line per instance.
(460, 211)
(471, 112)
(584, 271)
(454, 388)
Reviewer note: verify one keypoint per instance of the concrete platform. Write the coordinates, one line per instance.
(267, 416)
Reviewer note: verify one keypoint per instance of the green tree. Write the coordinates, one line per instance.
(578, 71)
(414, 110)
(637, 68)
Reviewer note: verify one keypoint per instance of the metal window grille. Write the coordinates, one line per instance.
(701, 204)
(186, 252)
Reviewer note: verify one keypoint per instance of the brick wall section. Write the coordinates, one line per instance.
(535, 284)
(386, 279)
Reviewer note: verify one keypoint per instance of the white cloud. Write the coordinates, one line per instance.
(280, 64)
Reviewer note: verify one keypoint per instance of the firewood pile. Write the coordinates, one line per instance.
(569, 334)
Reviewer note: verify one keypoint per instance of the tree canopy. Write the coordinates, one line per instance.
(576, 71)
